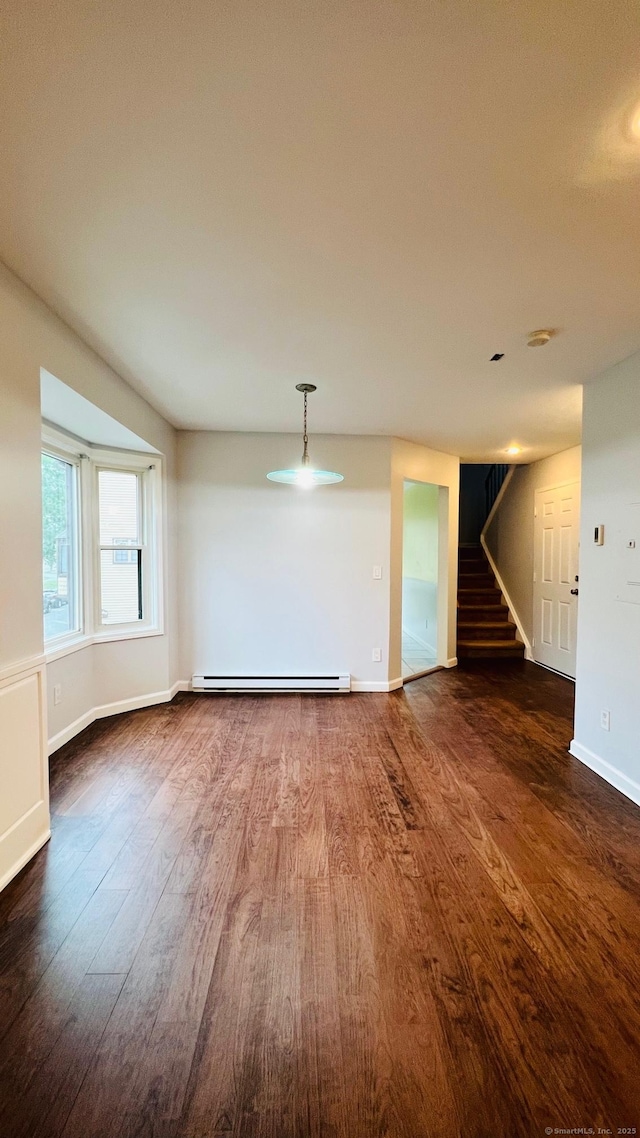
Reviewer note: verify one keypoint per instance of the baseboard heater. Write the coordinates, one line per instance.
(337, 682)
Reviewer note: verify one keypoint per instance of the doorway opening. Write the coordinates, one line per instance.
(420, 525)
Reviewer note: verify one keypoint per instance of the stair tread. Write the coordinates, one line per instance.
(485, 624)
(477, 588)
(485, 628)
(472, 607)
(493, 644)
(493, 601)
(480, 589)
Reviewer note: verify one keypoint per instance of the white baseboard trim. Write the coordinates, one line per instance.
(610, 774)
(376, 685)
(134, 704)
(518, 623)
(24, 859)
(70, 731)
(452, 662)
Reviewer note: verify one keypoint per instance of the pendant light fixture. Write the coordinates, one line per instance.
(306, 475)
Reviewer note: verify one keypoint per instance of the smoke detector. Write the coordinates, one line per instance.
(539, 338)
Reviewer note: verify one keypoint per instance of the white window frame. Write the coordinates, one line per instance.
(57, 449)
(144, 471)
(90, 459)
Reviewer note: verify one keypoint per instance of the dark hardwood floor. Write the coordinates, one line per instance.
(348, 917)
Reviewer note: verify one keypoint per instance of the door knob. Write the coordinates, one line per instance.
(574, 592)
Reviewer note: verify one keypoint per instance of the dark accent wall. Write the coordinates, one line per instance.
(472, 501)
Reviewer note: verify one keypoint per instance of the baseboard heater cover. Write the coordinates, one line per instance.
(337, 682)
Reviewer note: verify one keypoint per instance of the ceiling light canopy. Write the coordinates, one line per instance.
(540, 338)
(306, 476)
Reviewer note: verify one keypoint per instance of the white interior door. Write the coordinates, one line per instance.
(555, 585)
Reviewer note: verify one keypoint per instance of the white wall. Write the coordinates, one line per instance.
(420, 533)
(608, 665)
(277, 578)
(510, 534)
(418, 464)
(32, 337)
(273, 578)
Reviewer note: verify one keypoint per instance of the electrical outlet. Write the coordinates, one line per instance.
(376, 655)
(605, 720)
(377, 572)
(57, 694)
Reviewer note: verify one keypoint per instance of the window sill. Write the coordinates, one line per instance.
(124, 634)
(57, 651)
(79, 642)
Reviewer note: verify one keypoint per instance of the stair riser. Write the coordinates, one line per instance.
(485, 629)
(478, 598)
(470, 613)
(483, 633)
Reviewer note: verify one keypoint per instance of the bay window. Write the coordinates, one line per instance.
(100, 543)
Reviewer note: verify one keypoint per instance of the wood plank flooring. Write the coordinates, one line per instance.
(346, 917)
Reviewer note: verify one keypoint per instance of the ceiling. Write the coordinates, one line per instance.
(225, 198)
(61, 406)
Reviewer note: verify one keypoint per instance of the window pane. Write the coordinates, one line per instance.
(119, 508)
(120, 587)
(59, 547)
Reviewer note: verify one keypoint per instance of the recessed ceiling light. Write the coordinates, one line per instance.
(539, 338)
(514, 450)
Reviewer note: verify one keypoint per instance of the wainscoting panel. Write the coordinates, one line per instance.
(24, 776)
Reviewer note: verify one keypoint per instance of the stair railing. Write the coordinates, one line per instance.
(492, 483)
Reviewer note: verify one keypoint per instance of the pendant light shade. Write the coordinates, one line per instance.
(306, 475)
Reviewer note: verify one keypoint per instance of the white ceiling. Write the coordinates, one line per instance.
(225, 198)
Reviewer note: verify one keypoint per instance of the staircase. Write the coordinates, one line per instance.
(485, 627)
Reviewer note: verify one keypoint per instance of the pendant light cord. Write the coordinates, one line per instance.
(307, 476)
(305, 437)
